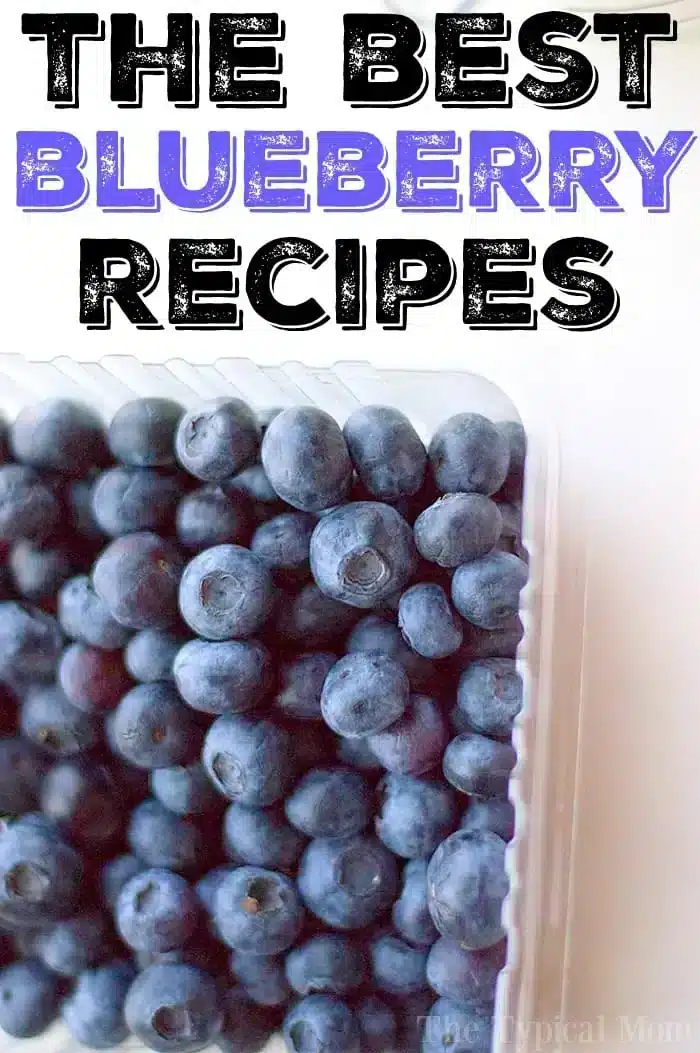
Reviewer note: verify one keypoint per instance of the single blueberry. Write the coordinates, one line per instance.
(301, 683)
(162, 839)
(156, 911)
(60, 435)
(184, 790)
(487, 591)
(84, 616)
(386, 451)
(30, 643)
(347, 882)
(329, 963)
(489, 697)
(465, 977)
(70, 946)
(83, 798)
(282, 543)
(262, 978)
(29, 508)
(457, 529)
(150, 654)
(29, 998)
(93, 679)
(453, 1028)
(40, 874)
(209, 517)
(413, 744)
(94, 1012)
(479, 766)
(363, 694)
(114, 875)
(329, 802)
(230, 676)
(142, 432)
(21, 771)
(311, 619)
(249, 761)
(258, 911)
(261, 837)
(218, 439)
(414, 815)
(410, 913)
(39, 572)
(428, 623)
(153, 728)
(173, 1008)
(375, 633)
(377, 1025)
(129, 500)
(306, 460)
(397, 968)
(469, 454)
(362, 554)
(514, 433)
(226, 593)
(321, 1022)
(490, 813)
(247, 1027)
(467, 884)
(137, 577)
(50, 721)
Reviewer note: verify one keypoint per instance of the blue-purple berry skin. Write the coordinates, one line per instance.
(489, 697)
(329, 802)
(414, 744)
(30, 643)
(467, 884)
(173, 1007)
(261, 837)
(282, 543)
(348, 883)
(428, 623)
(129, 500)
(363, 694)
(209, 517)
(479, 766)
(157, 911)
(262, 978)
(56, 726)
(162, 839)
(468, 454)
(229, 676)
(149, 655)
(84, 616)
(457, 529)
(321, 1022)
(300, 685)
(309, 618)
(226, 593)
(137, 577)
(94, 1012)
(386, 451)
(487, 591)
(306, 459)
(142, 432)
(59, 435)
(465, 977)
(410, 913)
(329, 963)
(377, 1025)
(40, 874)
(75, 944)
(454, 1027)
(184, 790)
(490, 813)
(398, 968)
(30, 995)
(514, 433)
(218, 439)
(249, 761)
(258, 911)
(153, 728)
(29, 508)
(414, 815)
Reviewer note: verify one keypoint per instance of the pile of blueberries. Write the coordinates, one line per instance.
(257, 696)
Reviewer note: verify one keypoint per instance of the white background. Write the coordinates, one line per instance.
(623, 406)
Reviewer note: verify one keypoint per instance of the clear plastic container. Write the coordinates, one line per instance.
(543, 785)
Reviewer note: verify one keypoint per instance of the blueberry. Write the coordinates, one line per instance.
(457, 529)
(231, 676)
(328, 963)
(150, 654)
(428, 622)
(94, 1012)
(306, 460)
(50, 721)
(184, 790)
(321, 1022)
(218, 439)
(465, 977)
(386, 451)
(115, 874)
(478, 765)
(491, 643)
(301, 683)
(70, 946)
(364, 693)
(282, 543)
(84, 616)
(156, 911)
(330, 802)
(60, 435)
(30, 643)
(162, 839)
(490, 813)
(173, 1007)
(261, 837)
(397, 968)
(28, 507)
(210, 517)
(142, 432)
(77, 496)
(128, 500)
(375, 633)
(83, 799)
(349, 882)
(152, 728)
(262, 978)
(415, 815)
(469, 454)
(40, 874)
(312, 619)
(206, 888)
(467, 884)
(514, 434)
(410, 913)
(377, 1025)
(29, 999)
(357, 754)
(489, 697)
(249, 761)
(226, 593)
(247, 1027)
(258, 911)
(487, 591)
(38, 573)
(362, 554)
(254, 484)
(413, 744)
(91, 678)
(20, 775)
(137, 577)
